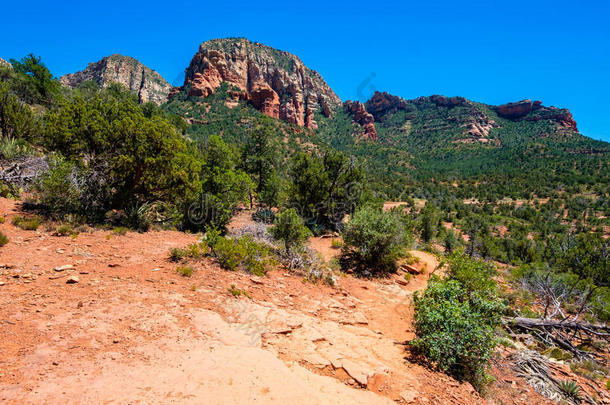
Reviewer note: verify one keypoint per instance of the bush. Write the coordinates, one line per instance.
(115, 157)
(185, 271)
(243, 252)
(236, 292)
(120, 231)
(62, 188)
(375, 239)
(27, 224)
(193, 251)
(474, 275)
(290, 229)
(455, 329)
(64, 230)
(336, 243)
(3, 239)
(177, 254)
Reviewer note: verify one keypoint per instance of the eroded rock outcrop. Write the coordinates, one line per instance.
(384, 103)
(277, 83)
(362, 117)
(4, 63)
(147, 84)
(529, 110)
(518, 109)
(561, 116)
(449, 102)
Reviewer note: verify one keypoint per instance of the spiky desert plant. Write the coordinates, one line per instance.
(570, 389)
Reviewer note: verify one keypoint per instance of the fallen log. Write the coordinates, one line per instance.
(562, 333)
(597, 330)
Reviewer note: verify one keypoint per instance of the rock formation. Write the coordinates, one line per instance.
(4, 63)
(384, 103)
(362, 117)
(529, 110)
(276, 83)
(449, 102)
(518, 109)
(147, 84)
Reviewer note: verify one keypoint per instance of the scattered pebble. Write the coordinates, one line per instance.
(64, 267)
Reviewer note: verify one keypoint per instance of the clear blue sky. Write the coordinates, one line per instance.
(493, 52)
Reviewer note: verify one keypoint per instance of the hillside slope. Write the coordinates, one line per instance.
(458, 138)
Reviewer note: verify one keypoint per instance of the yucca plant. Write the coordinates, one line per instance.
(570, 389)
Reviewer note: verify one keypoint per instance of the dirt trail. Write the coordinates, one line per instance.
(131, 330)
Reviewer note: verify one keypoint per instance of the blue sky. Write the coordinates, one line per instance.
(493, 52)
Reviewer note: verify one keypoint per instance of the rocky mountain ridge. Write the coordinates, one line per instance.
(279, 85)
(147, 84)
(472, 121)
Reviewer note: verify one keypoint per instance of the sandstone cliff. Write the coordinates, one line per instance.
(137, 78)
(276, 83)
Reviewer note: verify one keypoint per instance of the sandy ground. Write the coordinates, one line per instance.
(132, 330)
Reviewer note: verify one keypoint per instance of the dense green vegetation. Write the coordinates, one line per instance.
(324, 188)
(111, 156)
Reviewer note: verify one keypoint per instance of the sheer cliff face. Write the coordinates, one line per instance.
(147, 84)
(277, 83)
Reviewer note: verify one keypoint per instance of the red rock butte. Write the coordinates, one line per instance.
(276, 83)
